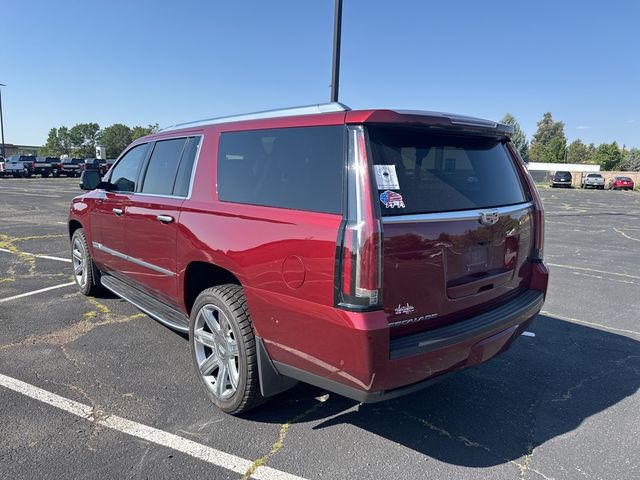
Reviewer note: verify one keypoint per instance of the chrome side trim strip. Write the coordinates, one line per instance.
(131, 259)
(281, 112)
(453, 216)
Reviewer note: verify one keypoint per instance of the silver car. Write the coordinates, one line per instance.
(594, 180)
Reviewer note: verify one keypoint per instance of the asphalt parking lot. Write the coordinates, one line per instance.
(92, 388)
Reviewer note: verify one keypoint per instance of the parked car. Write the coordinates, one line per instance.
(594, 180)
(72, 167)
(56, 165)
(367, 252)
(2, 171)
(20, 166)
(561, 179)
(42, 166)
(98, 164)
(622, 183)
(110, 162)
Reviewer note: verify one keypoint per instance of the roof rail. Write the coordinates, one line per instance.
(281, 112)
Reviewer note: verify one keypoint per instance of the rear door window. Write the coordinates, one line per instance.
(297, 168)
(185, 170)
(162, 166)
(440, 173)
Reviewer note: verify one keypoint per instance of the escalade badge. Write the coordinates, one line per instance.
(489, 218)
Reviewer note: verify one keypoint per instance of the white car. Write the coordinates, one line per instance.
(594, 180)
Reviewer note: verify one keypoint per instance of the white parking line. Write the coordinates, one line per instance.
(593, 270)
(31, 194)
(584, 322)
(144, 432)
(37, 255)
(28, 294)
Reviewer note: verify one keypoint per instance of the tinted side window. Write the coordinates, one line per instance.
(181, 187)
(297, 168)
(163, 164)
(125, 173)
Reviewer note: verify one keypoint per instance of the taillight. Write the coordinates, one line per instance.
(538, 214)
(359, 279)
(538, 244)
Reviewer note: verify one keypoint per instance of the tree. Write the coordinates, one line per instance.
(137, 131)
(84, 137)
(52, 147)
(578, 152)
(591, 155)
(115, 139)
(549, 143)
(631, 161)
(58, 143)
(66, 145)
(608, 156)
(519, 138)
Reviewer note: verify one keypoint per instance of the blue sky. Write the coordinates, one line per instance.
(138, 62)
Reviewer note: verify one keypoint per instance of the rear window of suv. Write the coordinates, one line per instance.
(442, 172)
(298, 168)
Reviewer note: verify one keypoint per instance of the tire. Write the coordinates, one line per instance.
(26, 173)
(45, 175)
(222, 342)
(85, 272)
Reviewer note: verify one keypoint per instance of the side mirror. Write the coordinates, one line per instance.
(90, 180)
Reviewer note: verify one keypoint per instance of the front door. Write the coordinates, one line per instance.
(107, 229)
(110, 210)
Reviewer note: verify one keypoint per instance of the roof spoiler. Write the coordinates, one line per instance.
(433, 119)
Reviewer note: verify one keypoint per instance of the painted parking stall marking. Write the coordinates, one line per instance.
(35, 292)
(144, 432)
(37, 255)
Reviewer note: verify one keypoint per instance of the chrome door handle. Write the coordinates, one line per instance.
(164, 218)
(117, 211)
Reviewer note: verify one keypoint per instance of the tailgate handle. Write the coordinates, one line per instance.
(117, 211)
(479, 285)
(164, 218)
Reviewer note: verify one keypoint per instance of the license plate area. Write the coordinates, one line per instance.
(476, 258)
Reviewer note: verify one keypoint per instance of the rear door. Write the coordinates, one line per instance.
(457, 225)
(152, 217)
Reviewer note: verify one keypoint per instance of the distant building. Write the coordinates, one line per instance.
(542, 172)
(11, 149)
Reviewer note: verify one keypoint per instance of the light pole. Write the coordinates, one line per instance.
(1, 122)
(337, 32)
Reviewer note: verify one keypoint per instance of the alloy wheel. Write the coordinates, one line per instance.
(216, 351)
(80, 263)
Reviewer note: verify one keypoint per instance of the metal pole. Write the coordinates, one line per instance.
(337, 32)
(1, 122)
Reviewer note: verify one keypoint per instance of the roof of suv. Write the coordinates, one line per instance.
(416, 117)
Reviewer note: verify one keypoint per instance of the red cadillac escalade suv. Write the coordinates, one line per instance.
(366, 252)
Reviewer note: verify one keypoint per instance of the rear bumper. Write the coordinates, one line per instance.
(517, 311)
(391, 368)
